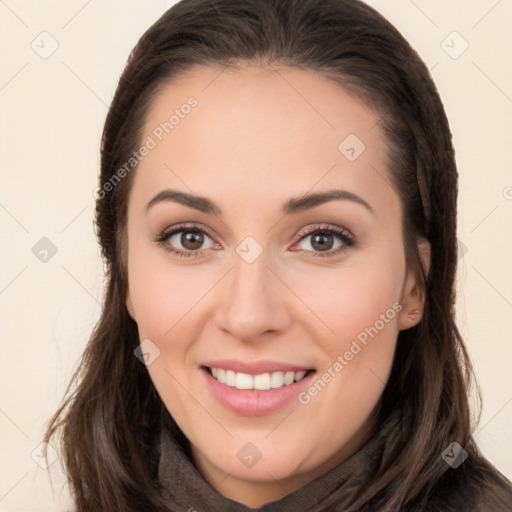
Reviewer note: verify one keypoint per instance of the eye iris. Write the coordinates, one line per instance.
(322, 241)
(192, 239)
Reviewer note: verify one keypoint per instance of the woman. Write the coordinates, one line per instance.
(277, 211)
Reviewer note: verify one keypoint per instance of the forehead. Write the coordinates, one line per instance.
(259, 128)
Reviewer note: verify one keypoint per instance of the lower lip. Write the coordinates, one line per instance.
(254, 402)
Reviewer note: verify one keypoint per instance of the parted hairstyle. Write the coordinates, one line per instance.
(111, 415)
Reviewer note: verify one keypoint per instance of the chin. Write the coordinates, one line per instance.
(258, 461)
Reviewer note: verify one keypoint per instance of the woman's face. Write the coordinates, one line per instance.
(290, 260)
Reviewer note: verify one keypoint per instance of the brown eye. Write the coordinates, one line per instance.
(322, 241)
(185, 241)
(191, 239)
(325, 241)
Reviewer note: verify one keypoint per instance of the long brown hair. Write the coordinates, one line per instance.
(112, 414)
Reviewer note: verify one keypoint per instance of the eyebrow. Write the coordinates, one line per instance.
(291, 206)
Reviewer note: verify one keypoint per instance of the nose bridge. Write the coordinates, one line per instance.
(252, 303)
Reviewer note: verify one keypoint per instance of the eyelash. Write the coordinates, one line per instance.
(345, 236)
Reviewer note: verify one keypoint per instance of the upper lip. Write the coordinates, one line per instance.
(255, 368)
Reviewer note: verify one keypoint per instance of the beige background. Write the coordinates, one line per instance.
(52, 111)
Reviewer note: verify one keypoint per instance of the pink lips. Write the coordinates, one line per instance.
(254, 402)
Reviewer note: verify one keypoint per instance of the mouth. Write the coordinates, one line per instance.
(260, 382)
(255, 389)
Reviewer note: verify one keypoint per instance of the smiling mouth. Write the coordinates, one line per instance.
(259, 382)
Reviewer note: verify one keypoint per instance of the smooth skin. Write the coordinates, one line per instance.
(258, 137)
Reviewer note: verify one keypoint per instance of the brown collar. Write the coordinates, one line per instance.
(185, 489)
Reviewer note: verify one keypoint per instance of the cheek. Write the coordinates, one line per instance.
(362, 307)
(163, 295)
(359, 310)
(352, 299)
(165, 300)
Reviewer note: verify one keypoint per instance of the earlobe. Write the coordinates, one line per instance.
(409, 318)
(412, 305)
(413, 301)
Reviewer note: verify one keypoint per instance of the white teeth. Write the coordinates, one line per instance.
(277, 380)
(244, 381)
(262, 381)
(230, 378)
(299, 376)
(289, 377)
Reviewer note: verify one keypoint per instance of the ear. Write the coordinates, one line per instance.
(413, 295)
(129, 305)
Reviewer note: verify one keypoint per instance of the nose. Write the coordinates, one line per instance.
(254, 302)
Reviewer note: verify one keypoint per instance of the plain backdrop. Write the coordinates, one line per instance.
(52, 108)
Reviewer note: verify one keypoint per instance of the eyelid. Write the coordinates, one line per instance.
(346, 237)
(182, 227)
(343, 234)
(162, 238)
(325, 227)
